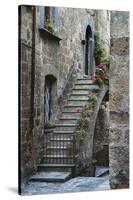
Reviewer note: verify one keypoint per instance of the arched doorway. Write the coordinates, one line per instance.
(89, 42)
(49, 97)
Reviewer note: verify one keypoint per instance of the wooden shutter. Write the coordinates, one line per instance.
(41, 16)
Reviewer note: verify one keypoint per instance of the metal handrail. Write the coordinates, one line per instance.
(68, 78)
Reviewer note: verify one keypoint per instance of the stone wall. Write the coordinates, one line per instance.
(30, 135)
(102, 26)
(119, 100)
(101, 136)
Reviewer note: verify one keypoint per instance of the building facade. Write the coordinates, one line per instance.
(57, 47)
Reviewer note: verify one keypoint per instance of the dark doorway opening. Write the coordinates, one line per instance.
(49, 96)
(88, 51)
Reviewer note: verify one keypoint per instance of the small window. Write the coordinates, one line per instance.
(49, 18)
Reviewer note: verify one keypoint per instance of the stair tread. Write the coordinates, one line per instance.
(57, 147)
(85, 83)
(69, 118)
(61, 139)
(57, 156)
(63, 132)
(70, 111)
(73, 106)
(65, 125)
(77, 100)
(56, 165)
(51, 176)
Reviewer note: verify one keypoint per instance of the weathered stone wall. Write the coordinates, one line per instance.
(102, 26)
(119, 100)
(31, 137)
(25, 70)
(101, 136)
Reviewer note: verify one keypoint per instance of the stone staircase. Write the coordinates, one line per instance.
(59, 155)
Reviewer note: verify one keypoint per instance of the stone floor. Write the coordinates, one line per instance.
(78, 184)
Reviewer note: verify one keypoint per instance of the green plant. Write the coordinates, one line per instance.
(100, 54)
(48, 125)
(49, 24)
(99, 82)
(82, 122)
(80, 134)
(93, 98)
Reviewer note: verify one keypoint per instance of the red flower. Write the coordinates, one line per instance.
(78, 109)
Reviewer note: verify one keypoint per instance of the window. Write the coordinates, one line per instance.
(49, 18)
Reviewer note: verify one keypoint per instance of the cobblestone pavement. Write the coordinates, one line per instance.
(78, 184)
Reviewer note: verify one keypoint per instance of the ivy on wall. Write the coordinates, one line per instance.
(82, 123)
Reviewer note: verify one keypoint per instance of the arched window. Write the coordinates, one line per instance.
(88, 51)
(49, 95)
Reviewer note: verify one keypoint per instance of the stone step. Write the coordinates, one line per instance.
(72, 114)
(54, 156)
(61, 143)
(56, 165)
(57, 147)
(67, 121)
(78, 98)
(69, 117)
(76, 102)
(101, 171)
(85, 87)
(58, 160)
(51, 177)
(72, 108)
(65, 127)
(63, 132)
(77, 92)
(59, 152)
(85, 81)
(66, 139)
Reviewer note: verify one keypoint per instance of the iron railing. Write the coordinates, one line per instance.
(60, 149)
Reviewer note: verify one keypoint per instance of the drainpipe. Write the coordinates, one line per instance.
(33, 66)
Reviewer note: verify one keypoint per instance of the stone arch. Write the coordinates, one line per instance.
(101, 135)
(88, 46)
(50, 92)
(84, 159)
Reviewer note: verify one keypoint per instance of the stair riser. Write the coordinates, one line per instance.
(67, 121)
(54, 169)
(60, 143)
(72, 109)
(76, 103)
(89, 87)
(78, 92)
(85, 81)
(68, 115)
(65, 128)
(58, 161)
(80, 98)
(65, 152)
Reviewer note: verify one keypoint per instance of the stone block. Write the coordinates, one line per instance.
(120, 46)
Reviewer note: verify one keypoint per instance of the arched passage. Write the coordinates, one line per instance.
(50, 91)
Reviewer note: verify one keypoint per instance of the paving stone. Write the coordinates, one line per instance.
(78, 184)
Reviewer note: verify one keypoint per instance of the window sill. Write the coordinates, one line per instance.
(49, 34)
